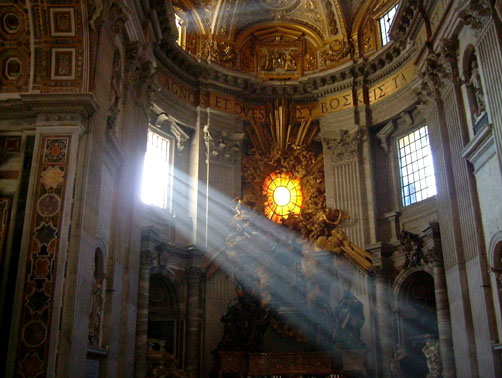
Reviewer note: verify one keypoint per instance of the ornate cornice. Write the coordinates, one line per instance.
(200, 75)
(30, 105)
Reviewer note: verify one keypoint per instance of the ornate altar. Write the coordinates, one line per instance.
(287, 266)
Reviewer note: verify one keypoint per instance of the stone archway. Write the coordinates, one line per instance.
(416, 321)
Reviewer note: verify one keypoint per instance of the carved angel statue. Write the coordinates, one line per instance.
(433, 357)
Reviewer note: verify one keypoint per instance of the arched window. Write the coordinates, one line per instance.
(417, 322)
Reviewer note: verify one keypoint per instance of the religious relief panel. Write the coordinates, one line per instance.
(335, 53)
(219, 51)
(279, 62)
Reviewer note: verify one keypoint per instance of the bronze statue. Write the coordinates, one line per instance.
(349, 319)
(245, 323)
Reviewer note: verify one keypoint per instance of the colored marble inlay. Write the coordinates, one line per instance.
(5, 206)
(40, 273)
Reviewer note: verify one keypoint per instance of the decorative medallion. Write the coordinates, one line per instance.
(55, 150)
(52, 177)
(31, 366)
(283, 196)
(10, 23)
(48, 205)
(37, 301)
(34, 333)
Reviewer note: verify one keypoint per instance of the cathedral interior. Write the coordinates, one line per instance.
(260, 189)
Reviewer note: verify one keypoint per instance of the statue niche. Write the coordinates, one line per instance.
(475, 91)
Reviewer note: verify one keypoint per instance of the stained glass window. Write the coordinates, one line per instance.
(283, 196)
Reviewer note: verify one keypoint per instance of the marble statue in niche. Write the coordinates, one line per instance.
(477, 89)
(94, 338)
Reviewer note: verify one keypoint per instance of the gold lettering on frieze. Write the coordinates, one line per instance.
(184, 92)
(392, 84)
(335, 103)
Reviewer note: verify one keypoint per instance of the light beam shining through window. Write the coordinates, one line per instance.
(157, 173)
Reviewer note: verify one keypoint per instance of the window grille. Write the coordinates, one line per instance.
(416, 167)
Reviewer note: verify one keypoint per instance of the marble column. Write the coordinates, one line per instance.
(434, 255)
(193, 322)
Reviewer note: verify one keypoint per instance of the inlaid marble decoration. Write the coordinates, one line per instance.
(5, 206)
(63, 64)
(62, 22)
(40, 273)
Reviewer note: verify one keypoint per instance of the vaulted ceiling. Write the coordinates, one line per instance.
(281, 39)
